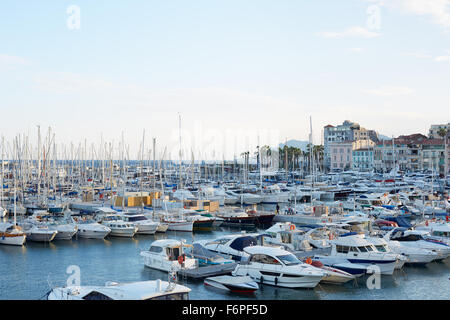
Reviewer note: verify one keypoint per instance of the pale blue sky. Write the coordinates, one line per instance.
(231, 68)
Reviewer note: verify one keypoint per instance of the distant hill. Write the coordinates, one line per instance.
(383, 137)
(295, 143)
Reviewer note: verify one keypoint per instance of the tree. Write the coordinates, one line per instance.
(442, 132)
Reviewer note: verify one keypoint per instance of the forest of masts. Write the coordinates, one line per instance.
(49, 165)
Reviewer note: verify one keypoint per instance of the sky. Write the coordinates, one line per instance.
(237, 73)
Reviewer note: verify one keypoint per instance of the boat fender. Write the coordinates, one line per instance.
(261, 280)
(276, 280)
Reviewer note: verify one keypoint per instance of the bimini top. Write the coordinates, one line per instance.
(242, 242)
(272, 251)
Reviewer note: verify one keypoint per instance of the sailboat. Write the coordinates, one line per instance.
(11, 233)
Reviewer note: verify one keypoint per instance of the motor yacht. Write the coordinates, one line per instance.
(418, 239)
(90, 229)
(360, 251)
(141, 290)
(168, 255)
(231, 245)
(278, 267)
(38, 232)
(144, 225)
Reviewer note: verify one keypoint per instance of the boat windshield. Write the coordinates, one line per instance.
(289, 259)
(137, 218)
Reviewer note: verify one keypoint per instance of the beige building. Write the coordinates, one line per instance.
(435, 129)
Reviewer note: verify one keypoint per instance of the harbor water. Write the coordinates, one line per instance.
(30, 271)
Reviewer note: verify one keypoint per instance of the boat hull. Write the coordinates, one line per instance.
(12, 240)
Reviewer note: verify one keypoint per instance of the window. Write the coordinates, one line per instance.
(156, 249)
(173, 296)
(362, 249)
(263, 258)
(94, 295)
(342, 249)
(289, 259)
(381, 248)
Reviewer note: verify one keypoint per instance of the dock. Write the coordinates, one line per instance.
(208, 271)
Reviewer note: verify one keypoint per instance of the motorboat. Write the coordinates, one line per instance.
(90, 229)
(272, 194)
(278, 267)
(231, 245)
(175, 224)
(168, 255)
(241, 284)
(201, 223)
(140, 290)
(11, 234)
(437, 230)
(119, 227)
(287, 235)
(413, 255)
(38, 232)
(358, 250)
(66, 229)
(237, 218)
(383, 246)
(144, 225)
(417, 239)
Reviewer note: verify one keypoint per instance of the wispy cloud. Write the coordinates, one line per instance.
(438, 11)
(356, 50)
(389, 91)
(443, 58)
(352, 32)
(12, 60)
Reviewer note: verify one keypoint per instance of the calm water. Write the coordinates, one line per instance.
(28, 272)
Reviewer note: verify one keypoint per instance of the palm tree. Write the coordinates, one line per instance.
(442, 132)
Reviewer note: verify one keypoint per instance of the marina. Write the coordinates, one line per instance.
(242, 151)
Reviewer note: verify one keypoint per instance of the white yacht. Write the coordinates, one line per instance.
(141, 290)
(287, 235)
(144, 225)
(360, 251)
(119, 228)
(413, 255)
(168, 255)
(417, 239)
(91, 229)
(278, 267)
(38, 232)
(231, 245)
(383, 246)
(437, 230)
(11, 234)
(273, 194)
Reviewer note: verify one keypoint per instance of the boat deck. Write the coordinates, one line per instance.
(208, 271)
